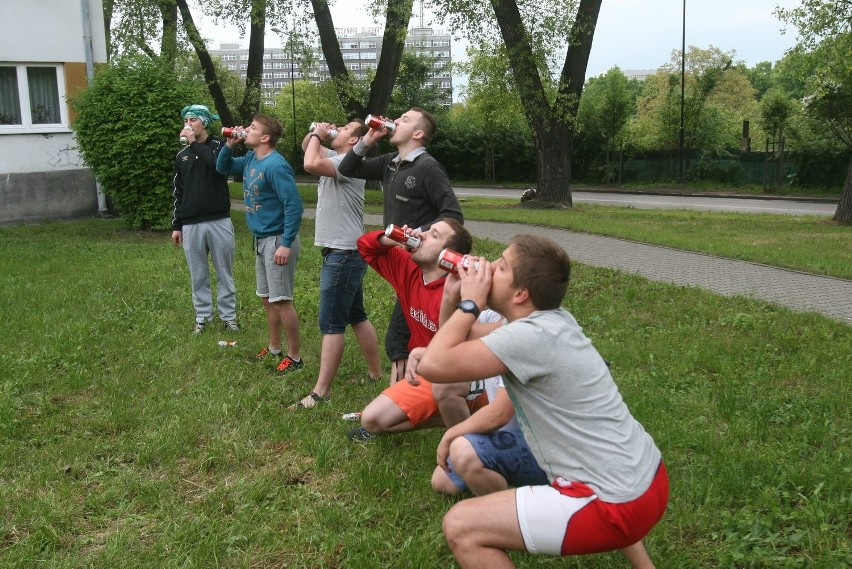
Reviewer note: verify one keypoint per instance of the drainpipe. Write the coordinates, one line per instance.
(90, 74)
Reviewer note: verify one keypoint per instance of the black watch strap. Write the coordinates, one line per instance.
(469, 306)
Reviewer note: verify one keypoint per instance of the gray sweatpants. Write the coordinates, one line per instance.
(215, 238)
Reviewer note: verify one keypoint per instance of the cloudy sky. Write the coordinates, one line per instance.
(636, 34)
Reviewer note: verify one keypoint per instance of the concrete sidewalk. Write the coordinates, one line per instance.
(803, 292)
(798, 291)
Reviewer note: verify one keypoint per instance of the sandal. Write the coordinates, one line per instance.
(310, 401)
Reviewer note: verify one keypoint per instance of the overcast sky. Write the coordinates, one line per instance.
(633, 34)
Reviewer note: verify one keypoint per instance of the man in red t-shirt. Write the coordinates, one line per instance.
(419, 283)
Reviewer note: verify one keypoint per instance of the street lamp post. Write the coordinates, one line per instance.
(682, 86)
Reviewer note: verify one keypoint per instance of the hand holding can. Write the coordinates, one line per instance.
(232, 132)
(402, 236)
(331, 132)
(379, 122)
(184, 139)
(451, 261)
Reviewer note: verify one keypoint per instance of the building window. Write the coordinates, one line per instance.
(30, 97)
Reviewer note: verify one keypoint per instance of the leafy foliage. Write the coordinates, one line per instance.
(127, 130)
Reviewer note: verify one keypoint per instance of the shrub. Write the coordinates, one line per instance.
(127, 129)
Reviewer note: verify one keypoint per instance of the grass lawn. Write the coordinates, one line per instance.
(125, 441)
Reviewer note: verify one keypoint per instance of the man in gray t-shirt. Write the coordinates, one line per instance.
(339, 224)
(608, 486)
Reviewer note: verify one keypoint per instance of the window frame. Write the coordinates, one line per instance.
(27, 126)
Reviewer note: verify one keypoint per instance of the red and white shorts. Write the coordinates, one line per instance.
(567, 518)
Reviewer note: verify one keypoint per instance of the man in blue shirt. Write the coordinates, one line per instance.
(274, 215)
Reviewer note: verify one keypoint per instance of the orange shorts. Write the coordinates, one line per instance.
(417, 402)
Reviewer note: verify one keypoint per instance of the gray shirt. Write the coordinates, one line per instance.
(570, 410)
(340, 209)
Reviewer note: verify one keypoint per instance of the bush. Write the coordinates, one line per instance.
(127, 129)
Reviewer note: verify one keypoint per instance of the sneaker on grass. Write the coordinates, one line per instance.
(231, 326)
(264, 354)
(360, 435)
(199, 327)
(288, 364)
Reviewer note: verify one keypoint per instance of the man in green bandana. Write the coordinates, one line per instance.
(202, 219)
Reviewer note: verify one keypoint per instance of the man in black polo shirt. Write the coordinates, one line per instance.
(416, 192)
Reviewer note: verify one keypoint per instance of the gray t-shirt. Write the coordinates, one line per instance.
(569, 408)
(340, 209)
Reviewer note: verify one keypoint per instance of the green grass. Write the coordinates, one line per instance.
(127, 442)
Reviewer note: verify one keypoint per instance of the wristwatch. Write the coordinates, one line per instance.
(469, 306)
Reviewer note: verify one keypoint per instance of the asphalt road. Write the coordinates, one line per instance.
(665, 201)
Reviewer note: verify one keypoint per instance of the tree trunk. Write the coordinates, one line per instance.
(210, 76)
(168, 42)
(553, 168)
(334, 59)
(843, 215)
(551, 123)
(257, 26)
(393, 43)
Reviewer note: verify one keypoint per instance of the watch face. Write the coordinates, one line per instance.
(468, 306)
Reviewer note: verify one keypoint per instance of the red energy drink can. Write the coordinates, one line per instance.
(378, 121)
(229, 132)
(450, 261)
(401, 235)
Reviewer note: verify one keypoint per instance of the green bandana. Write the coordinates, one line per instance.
(200, 112)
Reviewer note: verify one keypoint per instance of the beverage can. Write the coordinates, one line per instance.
(403, 236)
(227, 343)
(229, 132)
(378, 121)
(332, 133)
(183, 138)
(450, 261)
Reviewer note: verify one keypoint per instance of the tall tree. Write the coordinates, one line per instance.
(532, 32)
(397, 15)
(134, 25)
(607, 104)
(825, 37)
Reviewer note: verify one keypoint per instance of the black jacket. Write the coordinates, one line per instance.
(201, 193)
(416, 192)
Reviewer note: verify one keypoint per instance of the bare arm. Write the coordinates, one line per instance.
(450, 357)
(488, 419)
(316, 160)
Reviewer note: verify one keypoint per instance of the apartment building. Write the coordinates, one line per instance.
(360, 48)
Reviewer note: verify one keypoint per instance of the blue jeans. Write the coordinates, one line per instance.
(506, 452)
(341, 291)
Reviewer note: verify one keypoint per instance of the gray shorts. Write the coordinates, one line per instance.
(275, 282)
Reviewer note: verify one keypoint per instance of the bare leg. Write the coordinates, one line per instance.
(480, 530)
(289, 320)
(479, 479)
(637, 556)
(273, 324)
(442, 484)
(452, 402)
(330, 356)
(382, 415)
(367, 338)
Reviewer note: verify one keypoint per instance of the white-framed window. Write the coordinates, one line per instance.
(32, 98)
(368, 55)
(243, 57)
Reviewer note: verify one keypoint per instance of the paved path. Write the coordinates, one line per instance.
(798, 291)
